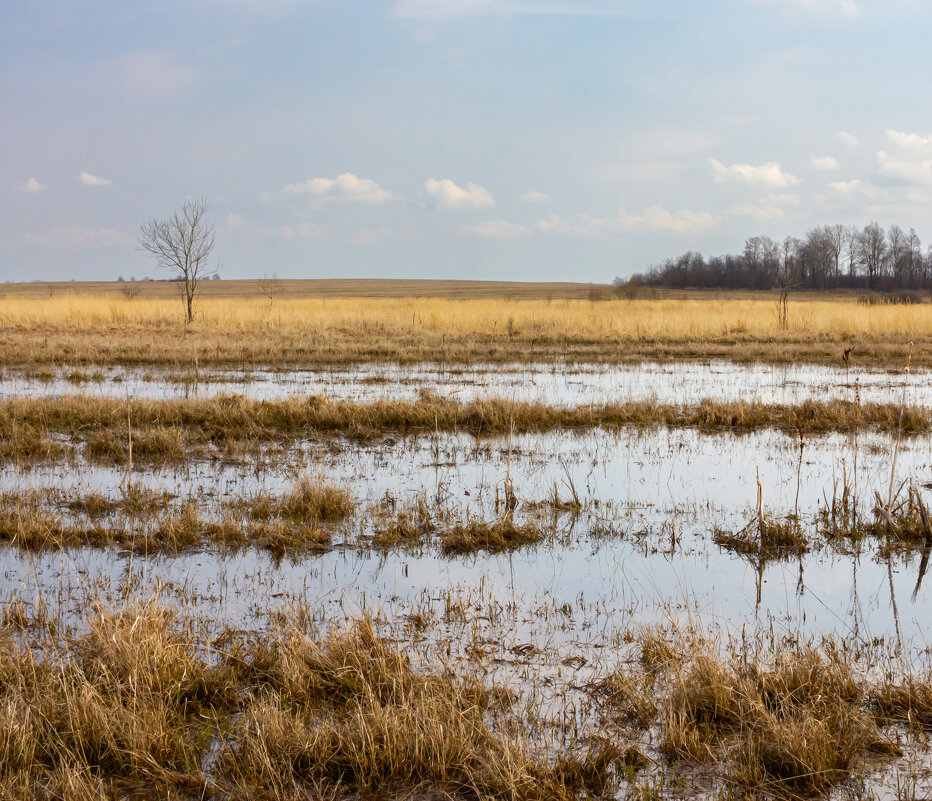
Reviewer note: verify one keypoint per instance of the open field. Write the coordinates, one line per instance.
(253, 331)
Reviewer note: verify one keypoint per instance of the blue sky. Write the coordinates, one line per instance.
(512, 139)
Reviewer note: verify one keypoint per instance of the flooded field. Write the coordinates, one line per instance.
(549, 565)
(555, 384)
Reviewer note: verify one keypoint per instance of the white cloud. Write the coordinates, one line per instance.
(848, 139)
(580, 225)
(823, 163)
(855, 188)
(235, 220)
(32, 186)
(496, 229)
(345, 186)
(657, 218)
(74, 238)
(93, 180)
(769, 175)
(912, 144)
(535, 197)
(912, 159)
(450, 196)
(914, 170)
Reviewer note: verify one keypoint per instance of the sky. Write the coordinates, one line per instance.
(558, 140)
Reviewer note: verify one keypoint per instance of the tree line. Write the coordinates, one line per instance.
(827, 257)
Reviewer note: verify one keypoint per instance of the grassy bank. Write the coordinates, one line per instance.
(254, 331)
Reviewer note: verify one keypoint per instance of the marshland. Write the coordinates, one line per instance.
(481, 548)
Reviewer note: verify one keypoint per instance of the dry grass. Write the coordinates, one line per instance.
(147, 522)
(102, 329)
(143, 706)
(175, 430)
(493, 537)
(795, 725)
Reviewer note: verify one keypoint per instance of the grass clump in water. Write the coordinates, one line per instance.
(349, 713)
(478, 535)
(797, 725)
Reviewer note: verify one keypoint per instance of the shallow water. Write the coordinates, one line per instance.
(641, 549)
(555, 384)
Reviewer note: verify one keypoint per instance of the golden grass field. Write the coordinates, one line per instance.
(108, 328)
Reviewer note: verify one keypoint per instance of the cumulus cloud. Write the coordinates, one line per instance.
(907, 168)
(93, 180)
(345, 186)
(769, 175)
(823, 163)
(848, 139)
(912, 159)
(535, 197)
(855, 188)
(496, 229)
(74, 238)
(32, 186)
(450, 196)
(910, 143)
(657, 218)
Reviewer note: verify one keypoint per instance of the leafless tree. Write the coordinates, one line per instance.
(852, 243)
(787, 276)
(914, 253)
(872, 251)
(835, 235)
(182, 243)
(270, 287)
(898, 244)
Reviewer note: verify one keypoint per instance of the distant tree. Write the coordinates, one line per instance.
(787, 276)
(183, 243)
(872, 251)
(270, 287)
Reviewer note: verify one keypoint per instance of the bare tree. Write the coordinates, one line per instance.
(898, 245)
(787, 277)
(835, 234)
(182, 243)
(914, 254)
(270, 287)
(872, 251)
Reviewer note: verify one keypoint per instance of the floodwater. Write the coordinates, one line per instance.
(641, 548)
(555, 384)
